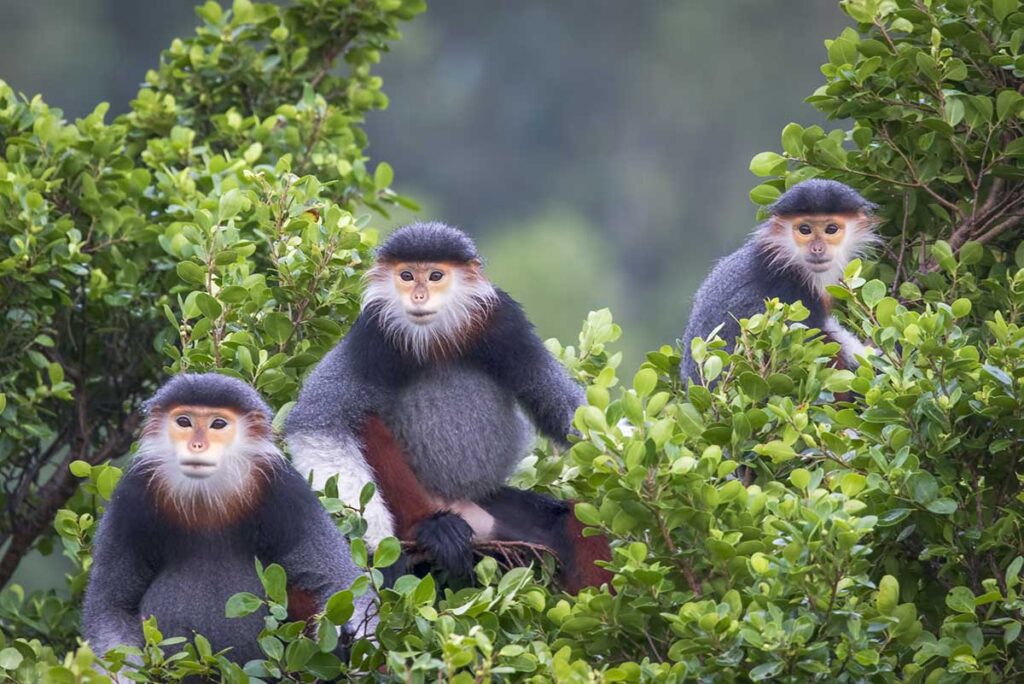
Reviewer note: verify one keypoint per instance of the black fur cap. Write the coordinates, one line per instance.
(428, 242)
(819, 196)
(207, 389)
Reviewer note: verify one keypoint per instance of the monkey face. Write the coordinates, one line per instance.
(424, 288)
(201, 436)
(820, 240)
(817, 246)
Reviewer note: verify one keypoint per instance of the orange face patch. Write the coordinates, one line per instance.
(200, 435)
(423, 286)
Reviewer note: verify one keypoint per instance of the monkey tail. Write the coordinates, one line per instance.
(447, 540)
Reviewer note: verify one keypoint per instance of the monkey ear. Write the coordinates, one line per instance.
(258, 424)
(475, 265)
(869, 220)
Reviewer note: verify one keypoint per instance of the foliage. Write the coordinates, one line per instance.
(220, 221)
(881, 539)
(933, 90)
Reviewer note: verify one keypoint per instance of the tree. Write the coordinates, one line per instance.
(883, 537)
(219, 223)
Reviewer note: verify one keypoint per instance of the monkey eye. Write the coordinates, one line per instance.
(804, 229)
(219, 424)
(832, 229)
(406, 276)
(183, 421)
(436, 276)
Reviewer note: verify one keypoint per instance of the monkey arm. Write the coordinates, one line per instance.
(120, 573)
(296, 532)
(322, 431)
(850, 346)
(407, 499)
(516, 357)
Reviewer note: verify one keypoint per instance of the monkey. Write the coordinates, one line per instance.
(206, 495)
(814, 230)
(433, 395)
(509, 514)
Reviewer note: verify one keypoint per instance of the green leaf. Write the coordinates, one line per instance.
(645, 381)
(383, 176)
(359, 554)
(764, 194)
(776, 450)
(872, 292)
(275, 583)
(587, 513)
(942, 506)
(209, 306)
(191, 272)
(852, 484)
(971, 253)
(923, 487)
(839, 381)
(242, 604)
(888, 595)
(107, 481)
(793, 140)
(231, 203)
(340, 607)
(800, 477)
(273, 647)
(1007, 103)
(961, 307)
(387, 552)
(298, 653)
(366, 494)
(960, 599)
(767, 164)
(278, 327)
(80, 468)
(10, 658)
(1004, 8)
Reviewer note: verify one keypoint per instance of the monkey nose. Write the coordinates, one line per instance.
(197, 446)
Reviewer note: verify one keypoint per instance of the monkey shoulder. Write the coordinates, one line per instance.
(724, 294)
(288, 511)
(352, 380)
(132, 524)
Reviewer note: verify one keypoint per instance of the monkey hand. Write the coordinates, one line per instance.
(447, 540)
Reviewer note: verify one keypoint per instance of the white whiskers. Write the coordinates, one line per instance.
(219, 493)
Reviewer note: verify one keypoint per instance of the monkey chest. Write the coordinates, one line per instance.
(462, 432)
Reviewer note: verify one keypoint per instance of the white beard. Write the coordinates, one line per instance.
(468, 299)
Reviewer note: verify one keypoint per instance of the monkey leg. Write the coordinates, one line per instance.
(521, 515)
(441, 535)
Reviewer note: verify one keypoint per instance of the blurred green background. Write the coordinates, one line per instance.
(597, 149)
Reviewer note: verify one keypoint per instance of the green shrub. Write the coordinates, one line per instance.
(221, 222)
(882, 538)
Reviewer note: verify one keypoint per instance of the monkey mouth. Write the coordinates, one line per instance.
(196, 468)
(421, 316)
(819, 266)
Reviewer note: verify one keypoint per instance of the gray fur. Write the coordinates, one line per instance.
(146, 565)
(208, 389)
(463, 433)
(737, 288)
